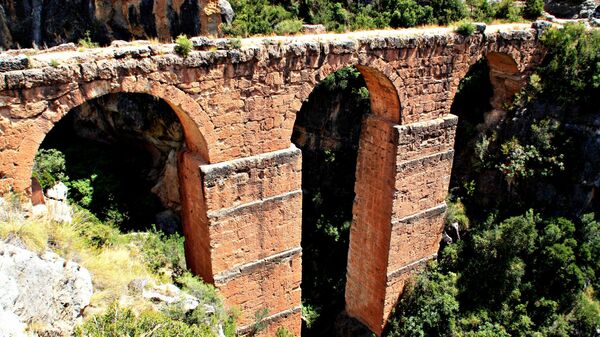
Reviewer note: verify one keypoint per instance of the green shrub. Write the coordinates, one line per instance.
(255, 17)
(480, 10)
(98, 234)
(448, 11)
(457, 213)
(235, 43)
(408, 13)
(82, 190)
(533, 8)
(289, 26)
(163, 252)
(571, 75)
(86, 41)
(54, 63)
(183, 46)
(49, 167)
(119, 321)
(465, 28)
(309, 314)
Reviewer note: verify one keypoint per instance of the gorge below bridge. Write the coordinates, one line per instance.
(239, 173)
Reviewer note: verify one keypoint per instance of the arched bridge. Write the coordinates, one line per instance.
(240, 176)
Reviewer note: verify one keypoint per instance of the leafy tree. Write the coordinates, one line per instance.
(572, 65)
(448, 11)
(49, 167)
(430, 307)
(533, 8)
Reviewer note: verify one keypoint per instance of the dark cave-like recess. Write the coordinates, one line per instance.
(327, 130)
(127, 146)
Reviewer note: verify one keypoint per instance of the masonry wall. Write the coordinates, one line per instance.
(254, 221)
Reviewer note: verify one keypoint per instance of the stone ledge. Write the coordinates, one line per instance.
(211, 173)
(240, 208)
(446, 155)
(444, 122)
(269, 320)
(224, 277)
(410, 267)
(431, 212)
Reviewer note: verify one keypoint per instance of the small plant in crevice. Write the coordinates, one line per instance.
(260, 323)
(465, 28)
(183, 46)
(86, 41)
(234, 43)
(283, 332)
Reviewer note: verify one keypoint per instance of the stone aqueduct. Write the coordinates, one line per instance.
(241, 176)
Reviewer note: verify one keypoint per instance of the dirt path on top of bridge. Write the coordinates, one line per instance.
(53, 56)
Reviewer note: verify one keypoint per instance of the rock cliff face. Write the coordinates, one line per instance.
(51, 22)
(44, 290)
(572, 9)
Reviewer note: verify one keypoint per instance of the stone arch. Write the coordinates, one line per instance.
(378, 75)
(368, 254)
(195, 124)
(508, 74)
(506, 77)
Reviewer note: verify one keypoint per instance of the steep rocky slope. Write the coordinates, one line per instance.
(27, 22)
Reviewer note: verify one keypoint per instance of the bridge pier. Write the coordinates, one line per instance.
(247, 239)
(397, 225)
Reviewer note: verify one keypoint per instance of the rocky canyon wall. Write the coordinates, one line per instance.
(50, 22)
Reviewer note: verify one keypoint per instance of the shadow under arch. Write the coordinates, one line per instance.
(506, 76)
(374, 187)
(195, 124)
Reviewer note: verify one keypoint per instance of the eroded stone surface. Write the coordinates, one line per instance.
(43, 289)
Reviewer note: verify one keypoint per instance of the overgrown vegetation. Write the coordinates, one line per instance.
(115, 260)
(521, 256)
(523, 276)
(285, 17)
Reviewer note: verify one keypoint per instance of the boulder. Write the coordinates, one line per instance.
(11, 325)
(313, 29)
(568, 10)
(480, 27)
(45, 289)
(227, 13)
(10, 63)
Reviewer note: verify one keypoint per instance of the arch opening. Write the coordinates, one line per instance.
(327, 131)
(480, 104)
(472, 104)
(120, 160)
